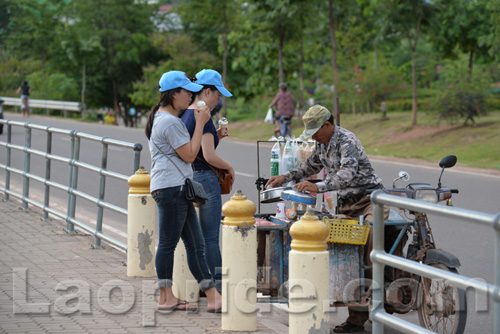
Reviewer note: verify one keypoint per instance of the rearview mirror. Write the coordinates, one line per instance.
(448, 161)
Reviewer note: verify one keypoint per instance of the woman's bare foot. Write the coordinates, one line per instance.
(214, 300)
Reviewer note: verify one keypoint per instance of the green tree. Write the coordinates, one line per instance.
(181, 54)
(409, 18)
(117, 34)
(210, 22)
(463, 24)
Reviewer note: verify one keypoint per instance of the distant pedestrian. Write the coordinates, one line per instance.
(383, 108)
(25, 91)
(133, 117)
(284, 100)
(122, 110)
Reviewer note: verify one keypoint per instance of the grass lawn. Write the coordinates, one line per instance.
(475, 145)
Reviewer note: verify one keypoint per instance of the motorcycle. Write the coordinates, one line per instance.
(441, 307)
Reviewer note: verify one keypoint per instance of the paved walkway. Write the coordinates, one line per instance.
(52, 282)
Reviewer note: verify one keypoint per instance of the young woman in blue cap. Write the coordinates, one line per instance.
(210, 212)
(172, 152)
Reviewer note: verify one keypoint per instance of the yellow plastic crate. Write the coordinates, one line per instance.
(345, 231)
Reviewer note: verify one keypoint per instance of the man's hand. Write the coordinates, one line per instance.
(306, 186)
(275, 181)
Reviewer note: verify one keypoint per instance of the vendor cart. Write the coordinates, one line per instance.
(346, 242)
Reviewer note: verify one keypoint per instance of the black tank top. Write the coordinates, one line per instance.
(25, 90)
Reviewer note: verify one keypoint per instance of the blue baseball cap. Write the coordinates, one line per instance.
(176, 79)
(211, 77)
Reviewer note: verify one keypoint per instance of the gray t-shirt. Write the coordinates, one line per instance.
(168, 134)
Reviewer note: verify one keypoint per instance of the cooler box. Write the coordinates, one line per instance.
(345, 246)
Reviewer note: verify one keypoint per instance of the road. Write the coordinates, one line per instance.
(473, 245)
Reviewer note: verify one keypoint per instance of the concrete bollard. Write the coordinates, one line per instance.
(239, 265)
(140, 227)
(309, 291)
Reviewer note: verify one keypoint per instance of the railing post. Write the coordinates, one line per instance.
(70, 227)
(47, 174)
(102, 188)
(496, 225)
(239, 265)
(8, 161)
(140, 227)
(378, 268)
(27, 163)
(309, 270)
(137, 156)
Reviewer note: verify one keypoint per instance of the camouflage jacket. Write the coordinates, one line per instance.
(348, 169)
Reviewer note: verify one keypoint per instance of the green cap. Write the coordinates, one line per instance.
(314, 119)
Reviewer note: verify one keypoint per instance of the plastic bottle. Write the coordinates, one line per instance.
(288, 159)
(275, 159)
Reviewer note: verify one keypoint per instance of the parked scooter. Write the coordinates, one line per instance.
(441, 307)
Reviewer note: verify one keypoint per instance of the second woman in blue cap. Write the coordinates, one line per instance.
(210, 212)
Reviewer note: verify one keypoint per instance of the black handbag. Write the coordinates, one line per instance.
(195, 192)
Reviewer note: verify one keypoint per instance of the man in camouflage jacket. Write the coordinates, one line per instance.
(349, 172)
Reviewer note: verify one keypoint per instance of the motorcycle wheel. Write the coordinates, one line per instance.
(442, 308)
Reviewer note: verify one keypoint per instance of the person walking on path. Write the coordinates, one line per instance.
(172, 152)
(210, 213)
(349, 171)
(284, 101)
(25, 91)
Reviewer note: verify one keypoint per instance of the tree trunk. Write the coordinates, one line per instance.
(471, 63)
(333, 40)
(280, 54)
(414, 89)
(301, 70)
(115, 93)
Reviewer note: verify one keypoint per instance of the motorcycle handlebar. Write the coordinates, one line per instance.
(454, 191)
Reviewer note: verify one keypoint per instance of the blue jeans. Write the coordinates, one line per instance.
(177, 219)
(210, 220)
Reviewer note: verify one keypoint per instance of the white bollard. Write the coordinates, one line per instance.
(239, 263)
(309, 275)
(140, 227)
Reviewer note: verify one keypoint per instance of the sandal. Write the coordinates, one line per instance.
(347, 327)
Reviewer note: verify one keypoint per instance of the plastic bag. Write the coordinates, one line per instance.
(269, 116)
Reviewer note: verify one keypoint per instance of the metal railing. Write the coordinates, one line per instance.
(380, 258)
(44, 104)
(74, 163)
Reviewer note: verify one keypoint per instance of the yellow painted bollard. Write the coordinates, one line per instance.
(140, 227)
(239, 264)
(309, 291)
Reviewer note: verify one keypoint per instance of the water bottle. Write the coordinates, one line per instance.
(275, 159)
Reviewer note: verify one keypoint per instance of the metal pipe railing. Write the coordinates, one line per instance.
(380, 258)
(73, 162)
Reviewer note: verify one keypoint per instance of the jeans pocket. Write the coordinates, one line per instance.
(156, 194)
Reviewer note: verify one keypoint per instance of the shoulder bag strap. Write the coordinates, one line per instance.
(169, 159)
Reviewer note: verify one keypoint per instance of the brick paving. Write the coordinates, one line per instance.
(52, 282)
